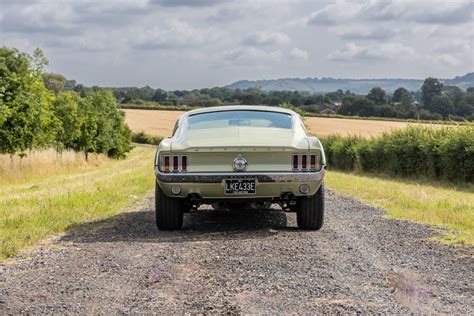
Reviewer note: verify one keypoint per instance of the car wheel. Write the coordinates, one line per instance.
(168, 211)
(310, 210)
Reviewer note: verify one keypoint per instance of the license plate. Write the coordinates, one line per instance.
(240, 186)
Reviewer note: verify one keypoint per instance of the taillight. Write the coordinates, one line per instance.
(304, 162)
(313, 162)
(175, 163)
(167, 163)
(295, 162)
(184, 163)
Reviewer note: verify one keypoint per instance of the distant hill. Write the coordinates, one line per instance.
(359, 86)
(462, 82)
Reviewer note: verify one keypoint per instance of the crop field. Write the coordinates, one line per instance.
(161, 123)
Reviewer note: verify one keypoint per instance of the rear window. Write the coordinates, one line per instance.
(244, 118)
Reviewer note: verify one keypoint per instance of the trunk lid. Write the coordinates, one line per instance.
(265, 149)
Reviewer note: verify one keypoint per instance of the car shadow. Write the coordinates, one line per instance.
(200, 225)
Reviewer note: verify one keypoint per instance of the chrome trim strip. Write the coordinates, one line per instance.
(219, 177)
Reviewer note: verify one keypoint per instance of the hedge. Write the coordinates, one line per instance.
(143, 138)
(446, 153)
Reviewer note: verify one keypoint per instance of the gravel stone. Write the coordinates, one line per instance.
(245, 261)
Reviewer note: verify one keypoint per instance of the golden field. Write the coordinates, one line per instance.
(161, 123)
(41, 163)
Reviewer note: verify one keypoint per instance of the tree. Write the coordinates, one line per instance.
(160, 95)
(103, 129)
(27, 121)
(54, 82)
(378, 95)
(66, 109)
(357, 105)
(431, 87)
(443, 105)
(399, 94)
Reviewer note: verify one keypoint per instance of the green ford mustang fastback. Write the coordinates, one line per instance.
(239, 156)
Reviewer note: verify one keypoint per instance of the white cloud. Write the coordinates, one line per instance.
(172, 34)
(352, 51)
(452, 52)
(335, 12)
(266, 39)
(358, 32)
(424, 11)
(251, 56)
(298, 53)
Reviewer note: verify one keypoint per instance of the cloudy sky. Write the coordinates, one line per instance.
(183, 44)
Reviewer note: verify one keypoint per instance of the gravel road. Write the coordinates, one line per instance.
(248, 261)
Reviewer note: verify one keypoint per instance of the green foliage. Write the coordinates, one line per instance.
(446, 153)
(290, 106)
(442, 104)
(33, 117)
(341, 151)
(378, 95)
(431, 87)
(102, 126)
(66, 109)
(26, 118)
(157, 106)
(54, 82)
(357, 105)
(143, 138)
(399, 94)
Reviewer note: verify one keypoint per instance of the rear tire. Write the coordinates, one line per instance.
(310, 210)
(168, 211)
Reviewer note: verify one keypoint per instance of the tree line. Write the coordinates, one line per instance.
(433, 101)
(36, 112)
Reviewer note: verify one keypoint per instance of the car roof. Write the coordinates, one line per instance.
(239, 107)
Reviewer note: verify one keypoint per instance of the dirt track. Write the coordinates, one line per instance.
(243, 262)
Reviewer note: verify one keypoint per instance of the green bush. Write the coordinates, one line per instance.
(446, 153)
(143, 138)
(343, 154)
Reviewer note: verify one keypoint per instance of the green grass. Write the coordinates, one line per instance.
(36, 208)
(443, 205)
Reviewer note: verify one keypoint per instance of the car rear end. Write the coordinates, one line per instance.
(239, 158)
(210, 174)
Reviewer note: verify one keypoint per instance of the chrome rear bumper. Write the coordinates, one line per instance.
(267, 177)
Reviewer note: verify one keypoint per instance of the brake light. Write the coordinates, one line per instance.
(167, 163)
(313, 162)
(175, 163)
(184, 163)
(304, 162)
(295, 162)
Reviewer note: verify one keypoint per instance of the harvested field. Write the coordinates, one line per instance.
(161, 123)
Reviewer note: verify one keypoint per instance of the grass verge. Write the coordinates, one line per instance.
(32, 210)
(443, 205)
